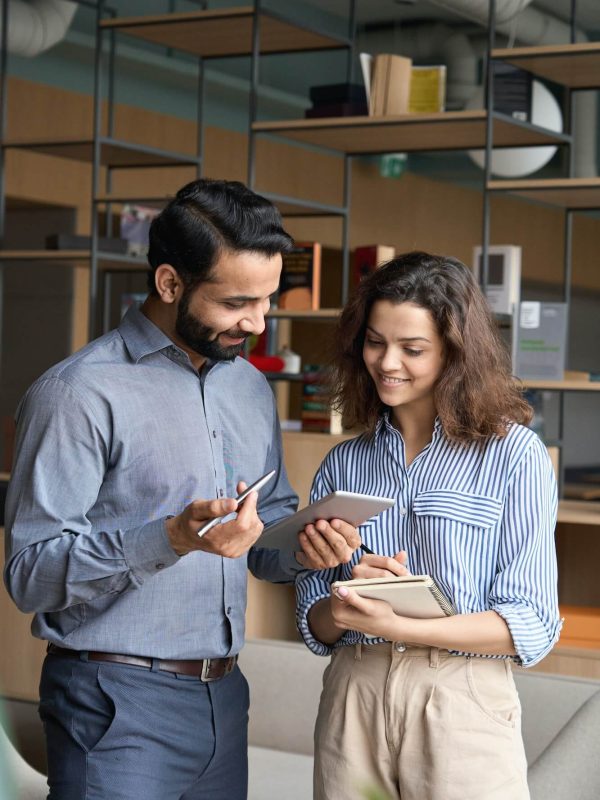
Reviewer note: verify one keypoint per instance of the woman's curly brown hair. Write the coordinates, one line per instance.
(475, 396)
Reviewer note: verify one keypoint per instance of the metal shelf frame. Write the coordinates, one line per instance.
(566, 188)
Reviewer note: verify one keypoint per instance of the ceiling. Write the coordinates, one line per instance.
(394, 11)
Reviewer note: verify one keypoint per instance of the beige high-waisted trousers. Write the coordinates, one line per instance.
(418, 724)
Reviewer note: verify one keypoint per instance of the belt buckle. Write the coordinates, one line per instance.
(204, 676)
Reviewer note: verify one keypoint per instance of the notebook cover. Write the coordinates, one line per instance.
(416, 596)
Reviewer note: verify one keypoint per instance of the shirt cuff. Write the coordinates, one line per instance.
(148, 550)
(532, 639)
(313, 644)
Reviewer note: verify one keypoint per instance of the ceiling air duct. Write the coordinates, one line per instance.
(532, 27)
(37, 25)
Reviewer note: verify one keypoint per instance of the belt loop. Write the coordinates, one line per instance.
(434, 657)
(84, 655)
(155, 665)
(358, 651)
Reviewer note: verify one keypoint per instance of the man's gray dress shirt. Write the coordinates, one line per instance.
(110, 442)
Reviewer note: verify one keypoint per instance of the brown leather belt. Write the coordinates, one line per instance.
(205, 669)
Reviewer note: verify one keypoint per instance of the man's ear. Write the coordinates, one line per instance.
(168, 283)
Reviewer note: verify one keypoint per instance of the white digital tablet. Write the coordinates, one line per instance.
(349, 506)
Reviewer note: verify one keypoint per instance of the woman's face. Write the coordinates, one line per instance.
(403, 353)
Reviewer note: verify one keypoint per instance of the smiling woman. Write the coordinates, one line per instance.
(420, 364)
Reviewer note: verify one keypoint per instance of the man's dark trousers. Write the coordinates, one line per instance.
(123, 732)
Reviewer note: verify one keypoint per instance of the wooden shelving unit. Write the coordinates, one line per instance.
(221, 33)
(568, 193)
(449, 130)
(112, 261)
(574, 65)
(113, 153)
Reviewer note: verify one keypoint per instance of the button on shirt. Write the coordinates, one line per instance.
(110, 442)
(479, 520)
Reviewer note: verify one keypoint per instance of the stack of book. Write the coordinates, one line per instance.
(317, 415)
(300, 282)
(390, 85)
(338, 100)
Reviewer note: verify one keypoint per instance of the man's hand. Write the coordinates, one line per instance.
(374, 566)
(230, 539)
(327, 544)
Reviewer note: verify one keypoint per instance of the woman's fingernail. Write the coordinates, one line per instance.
(342, 591)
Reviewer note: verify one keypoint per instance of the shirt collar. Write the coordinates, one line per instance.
(142, 338)
(384, 427)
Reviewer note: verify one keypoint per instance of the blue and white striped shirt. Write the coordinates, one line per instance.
(479, 520)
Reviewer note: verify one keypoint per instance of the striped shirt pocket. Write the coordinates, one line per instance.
(478, 510)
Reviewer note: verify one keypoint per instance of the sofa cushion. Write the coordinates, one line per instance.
(274, 774)
(570, 767)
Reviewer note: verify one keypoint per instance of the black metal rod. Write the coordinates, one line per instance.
(253, 98)
(489, 134)
(346, 228)
(3, 108)
(351, 63)
(98, 64)
(200, 116)
(573, 21)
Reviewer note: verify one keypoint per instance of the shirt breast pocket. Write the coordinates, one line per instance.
(442, 516)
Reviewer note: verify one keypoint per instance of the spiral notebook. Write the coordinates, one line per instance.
(415, 596)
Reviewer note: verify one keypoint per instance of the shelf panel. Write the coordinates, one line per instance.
(319, 314)
(574, 65)
(581, 512)
(113, 153)
(106, 261)
(564, 386)
(449, 130)
(219, 33)
(569, 193)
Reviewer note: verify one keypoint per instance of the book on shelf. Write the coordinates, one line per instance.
(541, 341)
(504, 276)
(512, 91)
(338, 100)
(581, 375)
(135, 227)
(427, 89)
(72, 241)
(390, 85)
(351, 108)
(300, 283)
(316, 413)
(337, 93)
(367, 258)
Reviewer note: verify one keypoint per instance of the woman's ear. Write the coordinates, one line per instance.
(167, 282)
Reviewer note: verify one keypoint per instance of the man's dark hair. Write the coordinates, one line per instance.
(209, 216)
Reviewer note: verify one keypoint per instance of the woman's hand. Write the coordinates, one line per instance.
(350, 611)
(374, 566)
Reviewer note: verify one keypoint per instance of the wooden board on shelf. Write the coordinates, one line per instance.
(561, 386)
(568, 193)
(112, 153)
(581, 627)
(574, 65)
(106, 261)
(218, 33)
(449, 130)
(577, 661)
(579, 512)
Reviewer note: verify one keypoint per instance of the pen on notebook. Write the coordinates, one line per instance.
(365, 549)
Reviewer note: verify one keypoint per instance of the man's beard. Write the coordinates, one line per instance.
(202, 339)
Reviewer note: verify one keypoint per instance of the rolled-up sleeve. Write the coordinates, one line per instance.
(524, 592)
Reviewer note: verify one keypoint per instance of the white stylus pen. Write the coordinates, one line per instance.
(254, 487)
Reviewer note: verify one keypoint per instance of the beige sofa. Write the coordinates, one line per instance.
(561, 728)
